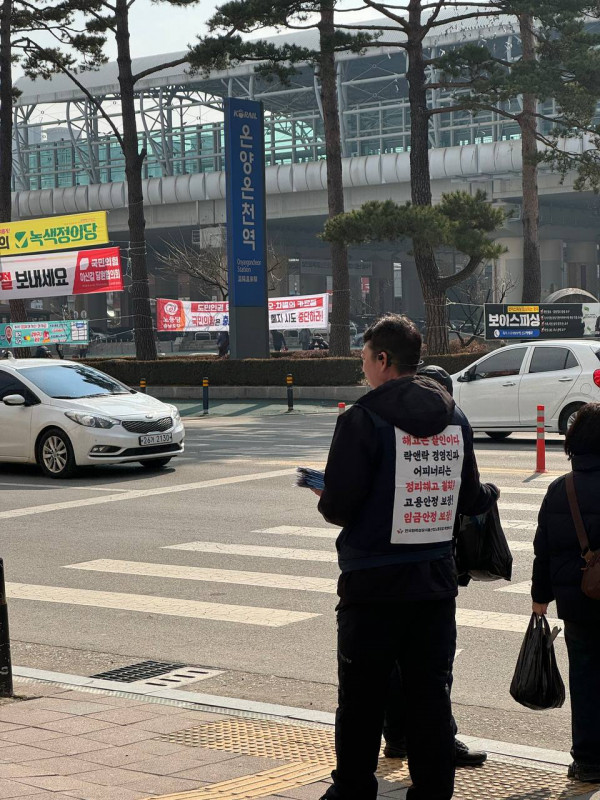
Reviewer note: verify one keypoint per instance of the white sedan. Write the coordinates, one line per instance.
(61, 415)
(500, 392)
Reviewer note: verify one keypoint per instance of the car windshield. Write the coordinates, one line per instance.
(73, 381)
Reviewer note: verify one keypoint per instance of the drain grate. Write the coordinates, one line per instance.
(157, 673)
(138, 672)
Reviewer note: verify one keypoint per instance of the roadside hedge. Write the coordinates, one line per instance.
(320, 371)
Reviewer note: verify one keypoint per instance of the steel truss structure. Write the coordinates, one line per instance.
(66, 142)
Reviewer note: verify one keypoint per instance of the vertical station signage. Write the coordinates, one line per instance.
(246, 228)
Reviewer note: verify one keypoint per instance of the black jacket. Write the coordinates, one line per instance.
(558, 562)
(380, 556)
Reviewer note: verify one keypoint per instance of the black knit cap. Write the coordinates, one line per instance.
(438, 374)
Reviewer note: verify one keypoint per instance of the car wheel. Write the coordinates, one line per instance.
(497, 436)
(155, 463)
(55, 454)
(567, 416)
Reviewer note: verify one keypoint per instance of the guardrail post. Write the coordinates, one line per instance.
(6, 683)
(143, 385)
(290, 392)
(205, 395)
(540, 443)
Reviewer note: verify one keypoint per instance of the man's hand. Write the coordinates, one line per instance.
(318, 492)
(540, 609)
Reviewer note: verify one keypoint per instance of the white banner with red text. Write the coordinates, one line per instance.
(55, 274)
(285, 313)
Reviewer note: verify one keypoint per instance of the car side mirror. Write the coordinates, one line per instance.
(14, 400)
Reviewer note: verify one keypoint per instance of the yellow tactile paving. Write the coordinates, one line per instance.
(310, 752)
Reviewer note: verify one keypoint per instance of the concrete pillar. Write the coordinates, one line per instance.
(509, 270)
(582, 265)
(551, 255)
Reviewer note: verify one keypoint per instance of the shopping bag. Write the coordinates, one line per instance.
(537, 683)
(482, 551)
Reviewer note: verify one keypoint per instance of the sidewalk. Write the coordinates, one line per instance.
(73, 737)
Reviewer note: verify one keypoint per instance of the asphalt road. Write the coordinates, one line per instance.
(193, 565)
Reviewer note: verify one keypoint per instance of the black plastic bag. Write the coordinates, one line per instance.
(537, 683)
(482, 551)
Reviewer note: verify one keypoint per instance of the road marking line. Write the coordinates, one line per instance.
(494, 620)
(265, 579)
(533, 490)
(516, 588)
(300, 530)
(135, 494)
(148, 604)
(255, 550)
(62, 486)
(525, 547)
(518, 506)
(519, 524)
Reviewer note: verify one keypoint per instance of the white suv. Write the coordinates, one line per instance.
(500, 392)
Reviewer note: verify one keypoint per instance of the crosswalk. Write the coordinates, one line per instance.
(267, 564)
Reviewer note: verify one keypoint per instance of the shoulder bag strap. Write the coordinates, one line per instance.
(576, 513)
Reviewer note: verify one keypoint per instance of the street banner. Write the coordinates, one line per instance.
(45, 235)
(55, 274)
(542, 321)
(285, 313)
(34, 334)
(245, 190)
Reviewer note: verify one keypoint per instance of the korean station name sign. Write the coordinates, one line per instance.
(245, 181)
(32, 236)
(285, 313)
(55, 274)
(34, 334)
(542, 321)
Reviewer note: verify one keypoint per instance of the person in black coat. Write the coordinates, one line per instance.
(400, 467)
(557, 576)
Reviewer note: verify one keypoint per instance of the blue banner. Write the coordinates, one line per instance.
(245, 182)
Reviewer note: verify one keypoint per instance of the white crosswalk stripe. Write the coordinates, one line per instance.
(256, 551)
(299, 530)
(265, 579)
(516, 588)
(149, 604)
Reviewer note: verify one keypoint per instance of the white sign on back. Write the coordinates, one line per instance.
(428, 474)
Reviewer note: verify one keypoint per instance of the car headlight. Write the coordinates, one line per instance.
(89, 420)
(175, 413)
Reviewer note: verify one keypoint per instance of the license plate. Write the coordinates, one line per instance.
(156, 438)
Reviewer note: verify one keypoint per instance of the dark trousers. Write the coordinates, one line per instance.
(583, 646)
(394, 723)
(421, 638)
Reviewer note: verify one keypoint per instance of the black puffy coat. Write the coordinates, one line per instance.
(558, 562)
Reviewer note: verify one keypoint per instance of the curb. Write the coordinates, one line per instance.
(344, 394)
(537, 756)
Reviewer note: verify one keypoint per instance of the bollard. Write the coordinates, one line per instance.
(341, 408)
(540, 444)
(205, 395)
(6, 684)
(143, 385)
(290, 392)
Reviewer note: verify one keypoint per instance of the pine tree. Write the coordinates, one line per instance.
(228, 48)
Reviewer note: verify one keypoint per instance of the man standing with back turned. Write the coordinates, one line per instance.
(400, 467)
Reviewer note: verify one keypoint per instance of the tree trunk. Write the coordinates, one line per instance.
(532, 268)
(17, 307)
(339, 342)
(145, 343)
(420, 185)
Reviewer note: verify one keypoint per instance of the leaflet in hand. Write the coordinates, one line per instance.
(311, 478)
